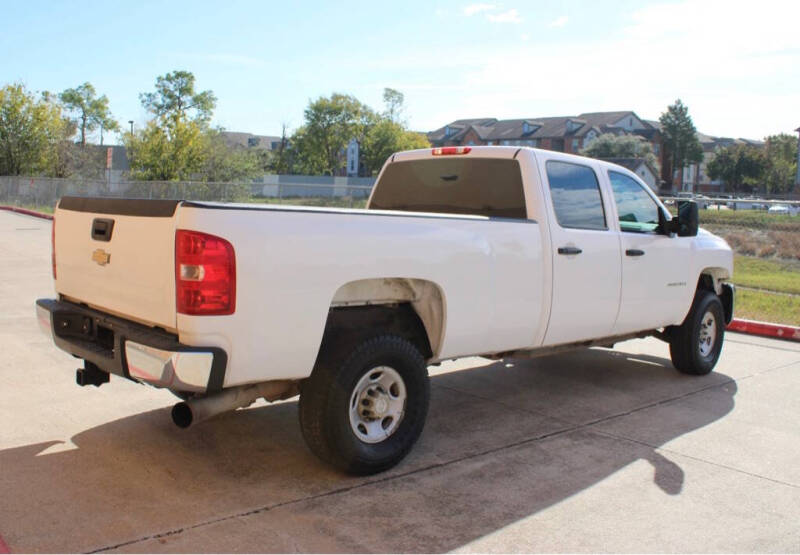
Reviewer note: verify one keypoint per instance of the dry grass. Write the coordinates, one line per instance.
(761, 243)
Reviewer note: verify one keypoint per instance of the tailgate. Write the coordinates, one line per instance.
(118, 256)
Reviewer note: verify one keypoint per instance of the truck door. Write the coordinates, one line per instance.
(656, 289)
(586, 256)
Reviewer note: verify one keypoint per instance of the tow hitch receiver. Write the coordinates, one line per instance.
(90, 374)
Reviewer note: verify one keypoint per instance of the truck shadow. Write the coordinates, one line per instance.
(504, 440)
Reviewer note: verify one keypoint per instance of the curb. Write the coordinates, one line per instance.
(752, 327)
(27, 212)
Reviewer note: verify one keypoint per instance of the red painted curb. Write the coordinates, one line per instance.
(781, 331)
(3, 546)
(27, 213)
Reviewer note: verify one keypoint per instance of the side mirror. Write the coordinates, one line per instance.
(684, 224)
(687, 220)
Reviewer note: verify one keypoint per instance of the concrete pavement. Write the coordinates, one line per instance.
(599, 450)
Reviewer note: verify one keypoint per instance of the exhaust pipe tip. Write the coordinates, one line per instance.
(182, 415)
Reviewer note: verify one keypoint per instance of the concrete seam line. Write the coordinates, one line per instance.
(754, 327)
(27, 212)
(698, 459)
(267, 508)
(772, 347)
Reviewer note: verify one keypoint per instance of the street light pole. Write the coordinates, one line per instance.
(131, 122)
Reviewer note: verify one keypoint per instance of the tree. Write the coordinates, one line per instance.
(166, 152)
(222, 163)
(175, 97)
(187, 151)
(609, 145)
(385, 138)
(330, 123)
(739, 166)
(781, 163)
(681, 145)
(31, 130)
(393, 100)
(88, 110)
(282, 160)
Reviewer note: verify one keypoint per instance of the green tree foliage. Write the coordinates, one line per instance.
(166, 151)
(330, 123)
(281, 161)
(385, 138)
(175, 97)
(781, 163)
(224, 163)
(739, 166)
(394, 102)
(31, 131)
(681, 145)
(609, 145)
(178, 145)
(88, 111)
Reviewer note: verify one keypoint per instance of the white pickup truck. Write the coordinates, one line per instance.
(491, 251)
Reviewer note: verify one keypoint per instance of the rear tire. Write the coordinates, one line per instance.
(696, 344)
(363, 411)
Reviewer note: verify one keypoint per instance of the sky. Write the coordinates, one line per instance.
(735, 64)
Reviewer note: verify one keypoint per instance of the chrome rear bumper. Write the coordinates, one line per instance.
(131, 350)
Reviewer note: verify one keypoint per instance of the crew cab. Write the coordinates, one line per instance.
(461, 251)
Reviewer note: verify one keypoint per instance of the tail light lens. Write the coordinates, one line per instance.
(53, 247)
(205, 274)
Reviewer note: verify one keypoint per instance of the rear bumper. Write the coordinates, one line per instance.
(131, 350)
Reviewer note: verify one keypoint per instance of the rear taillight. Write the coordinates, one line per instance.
(450, 150)
(53, 247)
(205, 274)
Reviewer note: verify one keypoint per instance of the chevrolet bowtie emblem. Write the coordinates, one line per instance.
(101, 257)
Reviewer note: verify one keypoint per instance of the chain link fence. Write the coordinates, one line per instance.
(44, 192)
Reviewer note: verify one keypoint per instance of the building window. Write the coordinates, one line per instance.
(575, 145)
(253, 141)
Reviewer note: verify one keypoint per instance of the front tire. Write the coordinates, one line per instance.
(364, 410)
(696, 344)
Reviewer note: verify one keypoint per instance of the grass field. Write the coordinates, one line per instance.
(771, 275)
(767, 307)
(769, 290)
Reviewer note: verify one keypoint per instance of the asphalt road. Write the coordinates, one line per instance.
(599, 450)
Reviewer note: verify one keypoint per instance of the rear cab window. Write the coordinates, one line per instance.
(638, 212)
(490, 187)
(576, 196)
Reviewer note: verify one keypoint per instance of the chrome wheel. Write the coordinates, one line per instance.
(377, 404)
(708, 334)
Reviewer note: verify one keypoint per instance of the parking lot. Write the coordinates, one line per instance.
(597, 450)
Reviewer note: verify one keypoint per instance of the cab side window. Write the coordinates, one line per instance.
(576, 196)
(637, 210)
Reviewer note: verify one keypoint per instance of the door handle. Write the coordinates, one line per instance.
(634, 252)
(569, 250)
